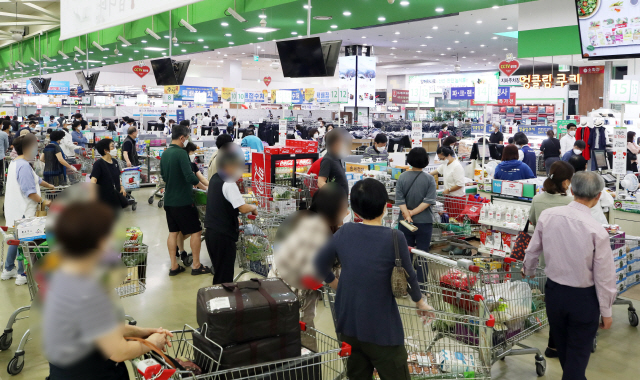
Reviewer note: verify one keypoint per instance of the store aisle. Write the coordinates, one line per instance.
(170, 302)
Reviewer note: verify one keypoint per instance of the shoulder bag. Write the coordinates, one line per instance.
(399, 275)
(522, 242)
(124, 202)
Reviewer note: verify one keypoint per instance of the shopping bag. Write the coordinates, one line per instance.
(38, 167)
(471, 213)
(522, 242)
(41, 210)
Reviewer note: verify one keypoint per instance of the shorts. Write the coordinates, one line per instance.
(183, 219)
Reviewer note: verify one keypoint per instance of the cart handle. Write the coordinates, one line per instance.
(4, 228)
(509, 260)
(491, 321)
(310, 283)
(463, 263)
(13, 242)
(345, 350)
(251, 217)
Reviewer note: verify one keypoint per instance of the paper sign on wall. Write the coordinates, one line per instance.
(416, 134)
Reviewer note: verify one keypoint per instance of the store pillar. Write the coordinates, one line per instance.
(232, 76)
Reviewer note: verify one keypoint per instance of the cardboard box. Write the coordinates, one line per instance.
(272, 150)
(32, 230)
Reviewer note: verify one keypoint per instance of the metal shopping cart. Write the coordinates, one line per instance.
(256, 244)
(329, 362)
(86, 159)
(134, 256)
(160, 185)
(469, 285)
(457, 223)
(308, 183)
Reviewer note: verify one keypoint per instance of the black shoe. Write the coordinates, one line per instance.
(174, 272)
(201, 270)
(551, 353)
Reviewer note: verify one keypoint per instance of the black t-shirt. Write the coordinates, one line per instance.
(496, 137)
(550, 148)
(331, 168)
(194, 167)
(129, 147)
(108, 177)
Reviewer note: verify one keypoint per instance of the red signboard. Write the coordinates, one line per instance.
(141, 71)
(592, 70)
(400, 96)
(501, 102)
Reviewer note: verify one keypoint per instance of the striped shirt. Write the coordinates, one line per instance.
(375, 155)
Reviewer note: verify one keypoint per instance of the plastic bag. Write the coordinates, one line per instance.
(38, 167)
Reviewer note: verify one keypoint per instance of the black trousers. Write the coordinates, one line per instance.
(574, 315)
(222, 251)
(205, 129)
(389, 361)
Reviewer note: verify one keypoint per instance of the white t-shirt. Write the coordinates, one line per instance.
(232, 194)
(566, 144)
(206, 121)
(453, 175)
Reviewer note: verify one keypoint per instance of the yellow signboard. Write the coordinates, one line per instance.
(226, 93)
(273, 96)
(173, 90)
(309, 95)
(356, 168)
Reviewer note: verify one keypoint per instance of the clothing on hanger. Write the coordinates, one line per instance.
(583, 133)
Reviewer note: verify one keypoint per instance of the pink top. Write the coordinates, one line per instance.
(633, 147)
(577, 252)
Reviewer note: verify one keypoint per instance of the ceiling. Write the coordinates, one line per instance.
(35, 15)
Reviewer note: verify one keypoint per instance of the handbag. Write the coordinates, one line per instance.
(124, 202)
(399, 275)
(522, 242)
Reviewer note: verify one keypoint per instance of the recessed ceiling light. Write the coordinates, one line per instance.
(494, 38)
(164, 53)
(200, 40)
(244, 53)
(305, 6)
(484, 59)
(294, 33)
(167, 36)
(228, 35)
(364, 36)
(224, 24)
(334, 26)
(493, 55)
(123, 46)
(418, 51)
(457, 42)
(505, 49)
(146, 56)
(439, 9)
(346, 13)
(441, 53)
(472, 51)
(435, 27)
(206, 47)
(479, 22)
(448, 48)
(476, 63)
(495, 7)
(404, 3)
(464, 57)
(260, 38)
(428, 37)
(509, 27)
(262, 50)
(394, 41)
(423, 45)
(230, 43)
(154, 49)
(393, 48)
(381, 19)
(176, 44)
(300, 22)
(143, 41)
(481, 45)
(135, 51)
(130, 59)
(437, 59)
(104, 57)
(328, 31)
(225, 55)
(397, 32)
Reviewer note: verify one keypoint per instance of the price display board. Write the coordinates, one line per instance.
(339, 96)
(283, 97)
(486, 93)
(419, 95)
(416, 134)
(623, 91)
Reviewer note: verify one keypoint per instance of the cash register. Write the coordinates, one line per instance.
(600, 157)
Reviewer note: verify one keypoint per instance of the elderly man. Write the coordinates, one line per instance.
(581, 283)
(496, 136)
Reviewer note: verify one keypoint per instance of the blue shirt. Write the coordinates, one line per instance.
(513, 170)
(26, 180)
(4, 144)
(365, 306)
(567, 156)
(78, 137)
(252, 142)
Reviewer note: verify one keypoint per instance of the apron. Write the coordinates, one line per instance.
(16, 204)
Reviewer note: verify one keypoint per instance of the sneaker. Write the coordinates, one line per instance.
(8, 275)
(21, 280)
(201, 270)
(174, 272)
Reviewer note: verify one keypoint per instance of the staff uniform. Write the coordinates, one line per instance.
(581, 282)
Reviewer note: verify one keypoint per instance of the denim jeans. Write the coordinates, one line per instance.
(421, 239)
(9, 264)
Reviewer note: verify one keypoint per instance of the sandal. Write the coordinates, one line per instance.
(174, 272)
(201, 270)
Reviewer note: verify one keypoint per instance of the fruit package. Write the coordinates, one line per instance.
(133, 235)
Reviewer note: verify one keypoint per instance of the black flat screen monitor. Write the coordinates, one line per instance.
(169, 72)
(88, 83)
(601, 159)
(40, 85)
(331, 52)
(302, 58)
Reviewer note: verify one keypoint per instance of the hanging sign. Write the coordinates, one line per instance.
(339, 96)
(592, 70)
(416, 134)
(141, 71)
(254, 97)
(623, 91)
(323, 96)
(419, 95)
(283, 97)
(226, 93)
(509, 67)
(267, 81)
(167, 98)
(486, 93)
(619, 140)
(548, 80)
(173, 90)
(400, 96)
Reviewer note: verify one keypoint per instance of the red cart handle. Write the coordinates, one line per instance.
(303, 326)
(509, 260)
(251, 217)
(13, 242)
(310, 283)
(491, 322)
(478, 297)
(4, 228)
(345, 350)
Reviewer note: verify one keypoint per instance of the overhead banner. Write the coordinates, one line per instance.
(254, 96)
(438, 83)
(226, 93)
(188, 93)
(366, 81)
(348, 75)
(537, 130)
(400, 96)
(84, 17)
(56, 87)
(466, 93)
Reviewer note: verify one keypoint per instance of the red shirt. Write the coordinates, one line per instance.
(315, 168)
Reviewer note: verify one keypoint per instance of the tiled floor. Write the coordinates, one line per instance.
(170, 302)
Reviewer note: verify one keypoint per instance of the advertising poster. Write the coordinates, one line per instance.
(347, 70)
(226, 93)
(309, 95)
(609, 27)
(416, 134)
(188, 93)
(619, 140)
(438, 83)
(56, 87)
(366, 83)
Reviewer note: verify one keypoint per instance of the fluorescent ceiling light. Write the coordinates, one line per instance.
(152, 33)
(261, 29)
(435, 27)
(35, 61)
(479, 22)
(236, 15)
(47, 58)
(228, 35)
(300, 22)
(381, 19)
(94, 43)
(144, 41)
(428, 37)
(404, 3)
(439, 9)
(62, 54)
(224, 24)
(200, 40)
(346, 13)
(124, 41)
(78, 50)
(188, 26)
(495, 7)
(334, 26)
(154, 49)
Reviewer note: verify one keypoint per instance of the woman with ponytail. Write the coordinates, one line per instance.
(555, 189)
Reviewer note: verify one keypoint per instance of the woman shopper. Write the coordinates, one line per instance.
(415, 194)
(22, 196)
(306, 234)
(550, 149)
(83, 333)
(106, 174)
(55, 161)
(452, 172)
(366, 311)
(632, 152)
(512, 169)
(191, 149)
(77, 136)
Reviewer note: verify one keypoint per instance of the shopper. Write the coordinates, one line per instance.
(367, 256)
(496, 136)
(415, 194)
(512, 169)
(566, 142)
(220, 142)
(206, 124)
(581, 279)
(378, 152)
(81, 325)
(106, 174)
(452, 172)
(67, 145)
(191, 149)
(578, 147)
(83, 122)
(52, 123)
(4, 143)
(22, 196)
(76, 135)
(252, 141)
(181, 212)
(555, 190)
(632, 152)
(331, 168)
(606, 200)
(61, 119)
(298, 132)
(55, 161)
(444, 132)
(130, 149)
(550, 149)
(224, 204)
(322, 129)
(125, 127)
(232, 121)
(525, 152)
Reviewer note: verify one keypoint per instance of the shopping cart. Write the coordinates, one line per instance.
(255, 246)
(457, 223)
(329, 362)
(160, 185)
(134, 257)
(5, 167)
(200, 198)
(77, 176)
(51, 194)
(271, 199)
(308, 183)
(470, 285)
(86, 159)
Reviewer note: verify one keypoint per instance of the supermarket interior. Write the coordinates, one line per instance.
(319, 189)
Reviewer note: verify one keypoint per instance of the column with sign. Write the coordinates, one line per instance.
(416, 134)
(282, 132)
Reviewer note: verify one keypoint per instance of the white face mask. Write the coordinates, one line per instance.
(192, 157)
(315, 135)
(184, 144)
(572, 133)
(113, 152)
(577, 151)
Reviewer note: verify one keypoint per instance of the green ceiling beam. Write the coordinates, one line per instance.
(563, 40)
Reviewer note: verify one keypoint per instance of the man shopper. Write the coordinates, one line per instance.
(581, 278)
(252, 141)
(61, 119)
(224, 204)
(496, 136)
(378, 152)
(578, 147)
(567, 141)
(129, 150)
(83, 122)
(182, 215)
(331, 168)
(205, 124)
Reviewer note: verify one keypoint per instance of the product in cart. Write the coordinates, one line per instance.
(247, 311)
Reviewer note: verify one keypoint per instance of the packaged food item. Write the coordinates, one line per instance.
(456, 362)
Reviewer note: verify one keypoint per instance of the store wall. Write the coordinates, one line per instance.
(590, 93)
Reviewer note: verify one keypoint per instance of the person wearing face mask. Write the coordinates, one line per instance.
(578, 148)
(22, 196)
(224, 205)
(444, 132)
(566, 142)
(106, 173)
(378, 151)
(451, 171)
(331, 168)
(55, 160)
(129, 150)
(496, 136)
(181, 212)
(76, 135)
(250, 140)
(191, 149)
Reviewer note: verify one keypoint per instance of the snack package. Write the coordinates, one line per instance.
(133, 235)
(456, 362)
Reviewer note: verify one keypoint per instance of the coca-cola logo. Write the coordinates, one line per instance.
(260, 179)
